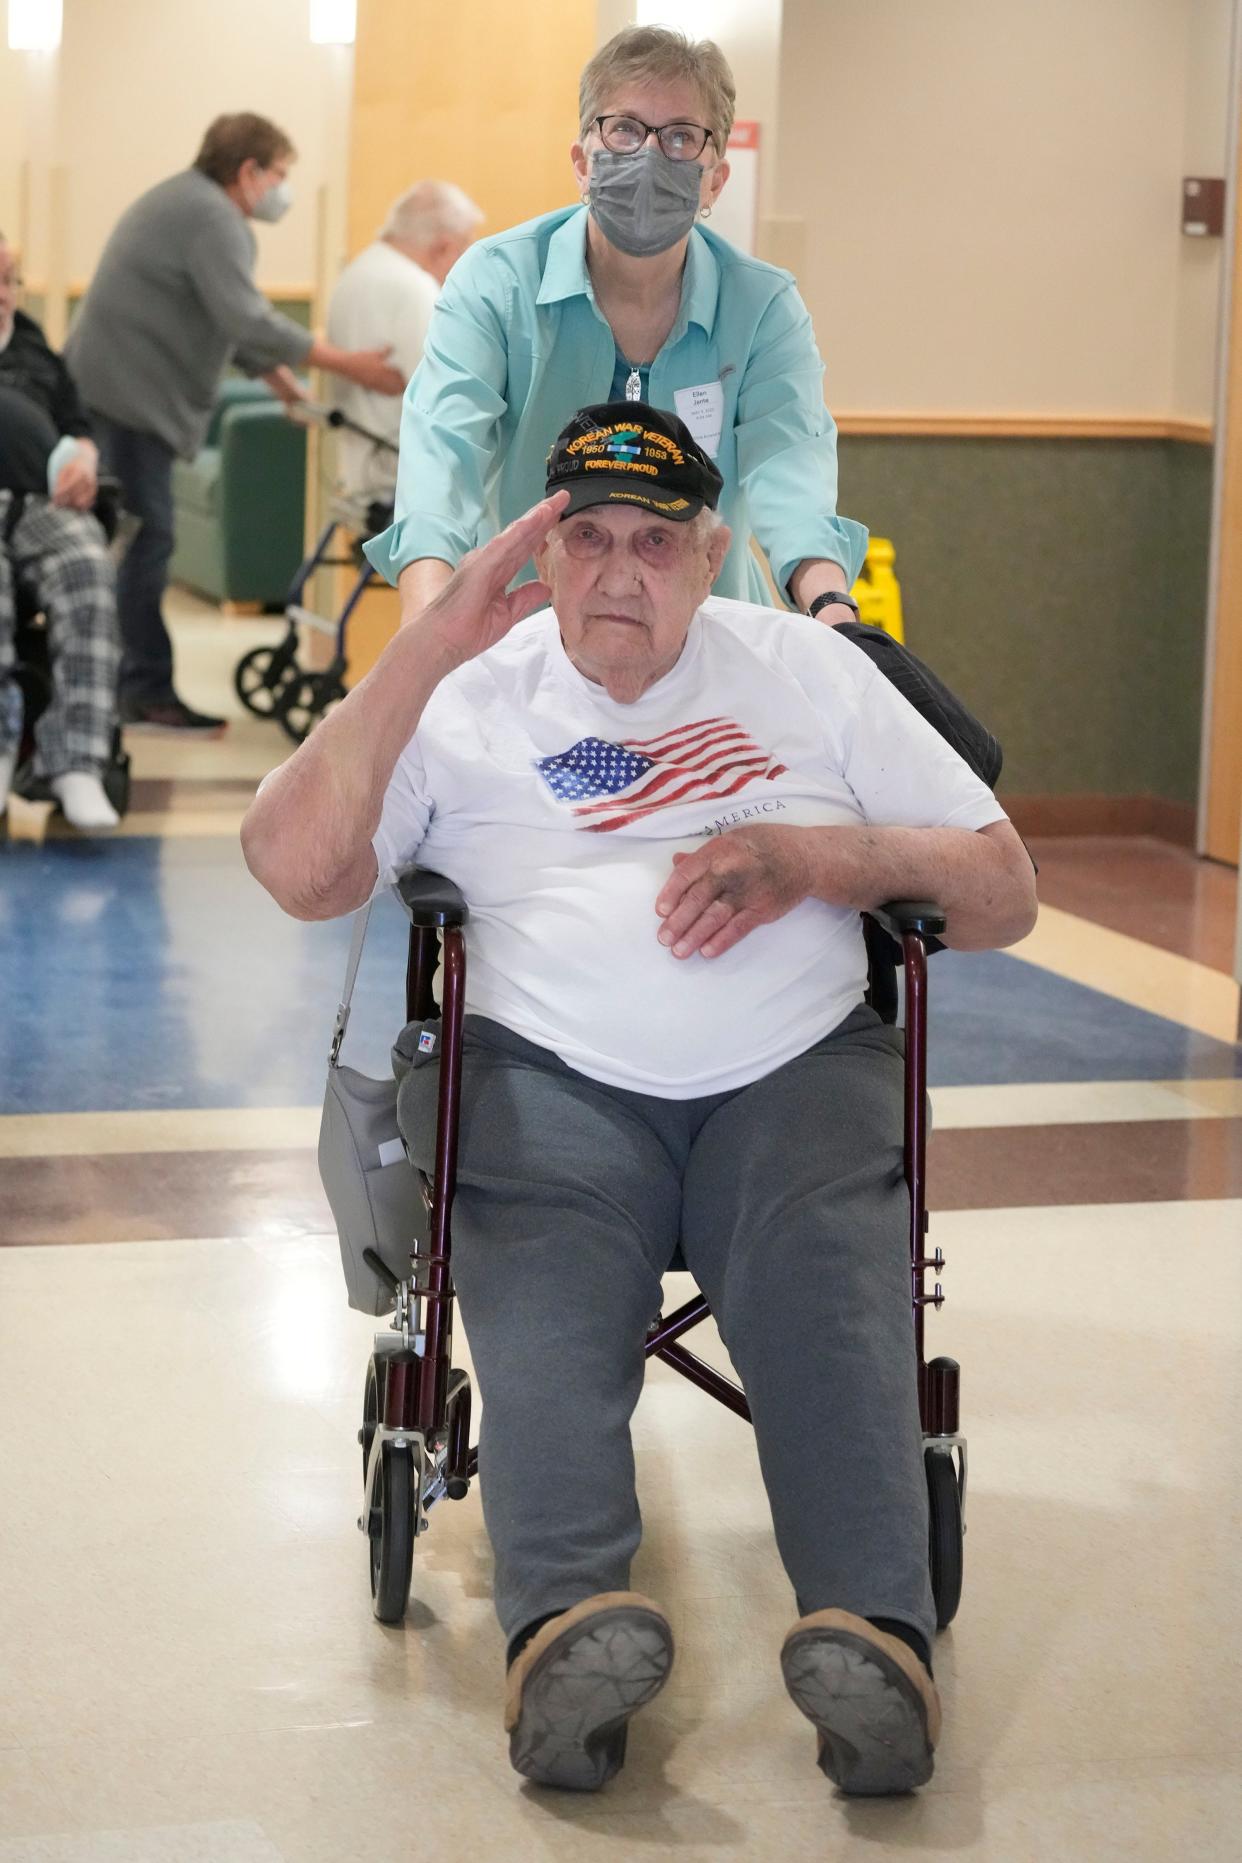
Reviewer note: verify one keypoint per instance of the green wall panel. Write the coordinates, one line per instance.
(299, 310)
(1060, 587)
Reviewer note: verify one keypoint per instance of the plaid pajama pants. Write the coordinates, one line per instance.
(62, 556)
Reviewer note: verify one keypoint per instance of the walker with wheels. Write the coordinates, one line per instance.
(270, 681)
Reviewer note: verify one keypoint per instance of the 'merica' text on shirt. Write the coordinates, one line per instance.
(736, 817)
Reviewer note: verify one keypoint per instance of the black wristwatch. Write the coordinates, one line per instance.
(834, 595)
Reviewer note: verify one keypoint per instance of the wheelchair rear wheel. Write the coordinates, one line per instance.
(34, 682)
(370, 1417)
(945, 1530)
(116, 776)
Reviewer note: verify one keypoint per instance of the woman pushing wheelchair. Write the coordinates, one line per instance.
(629, 296)
(666, 810)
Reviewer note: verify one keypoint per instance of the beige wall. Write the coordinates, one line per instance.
(140, 79)
(987, 219)
(13, 78)
(748, 32)
(29, 85)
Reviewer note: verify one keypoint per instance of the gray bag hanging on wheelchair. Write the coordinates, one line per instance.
(373, 1190)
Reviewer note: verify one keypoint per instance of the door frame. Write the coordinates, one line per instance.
(1220, 766)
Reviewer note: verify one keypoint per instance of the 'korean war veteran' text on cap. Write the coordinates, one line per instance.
(624, 452)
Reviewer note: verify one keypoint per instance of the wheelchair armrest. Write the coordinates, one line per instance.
(909, 915)
(109, 503)
(429, 899)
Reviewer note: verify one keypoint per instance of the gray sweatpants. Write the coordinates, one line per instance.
(791, 1208)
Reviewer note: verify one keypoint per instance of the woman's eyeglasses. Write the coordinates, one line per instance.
(625, 135)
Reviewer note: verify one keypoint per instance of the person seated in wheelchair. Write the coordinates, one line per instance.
(666, 812)
(52, 547)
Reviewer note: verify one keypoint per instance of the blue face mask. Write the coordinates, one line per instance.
(643, 203)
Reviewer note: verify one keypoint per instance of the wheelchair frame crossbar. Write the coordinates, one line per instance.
(661, 1343)
(298, 616)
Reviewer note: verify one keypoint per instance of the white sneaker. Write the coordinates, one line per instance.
(81, 797)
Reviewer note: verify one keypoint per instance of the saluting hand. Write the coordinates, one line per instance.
(474, 608)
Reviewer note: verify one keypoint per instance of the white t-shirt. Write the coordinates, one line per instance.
(557, 811)
(381, 297)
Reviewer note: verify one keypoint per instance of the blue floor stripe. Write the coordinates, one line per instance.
(994, 1019)
(141, 973)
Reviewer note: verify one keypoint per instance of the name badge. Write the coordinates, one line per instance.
(702, 409)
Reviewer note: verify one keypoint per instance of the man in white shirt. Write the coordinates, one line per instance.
(667, 811)
(384, 297)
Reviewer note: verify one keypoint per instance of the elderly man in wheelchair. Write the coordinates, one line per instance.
(53, 558)
(666, 812)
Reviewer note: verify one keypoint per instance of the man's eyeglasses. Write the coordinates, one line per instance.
(659, 545)
(625, 135)
(11, 281)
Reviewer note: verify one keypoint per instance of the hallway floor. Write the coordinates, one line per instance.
(192, 1671)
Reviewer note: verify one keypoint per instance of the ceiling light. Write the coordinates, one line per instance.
(333, 22)
(34, 25)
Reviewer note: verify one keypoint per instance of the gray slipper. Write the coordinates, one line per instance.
(573, 1688)
(873, 1702)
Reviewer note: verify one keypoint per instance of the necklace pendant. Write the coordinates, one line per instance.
(634, 386)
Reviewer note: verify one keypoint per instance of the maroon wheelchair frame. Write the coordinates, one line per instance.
(421, 1394)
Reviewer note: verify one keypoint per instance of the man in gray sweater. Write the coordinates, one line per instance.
(173, 302)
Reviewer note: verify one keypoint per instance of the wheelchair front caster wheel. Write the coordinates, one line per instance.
(945, 1528)
(391, 1530)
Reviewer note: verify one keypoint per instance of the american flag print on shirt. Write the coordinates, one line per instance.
(611, 785)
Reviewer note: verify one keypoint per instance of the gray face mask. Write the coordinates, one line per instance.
(275, 204)
(643, 203)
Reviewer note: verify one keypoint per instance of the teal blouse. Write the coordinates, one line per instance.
(516, 344)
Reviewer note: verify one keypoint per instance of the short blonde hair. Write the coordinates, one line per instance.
(645, 53)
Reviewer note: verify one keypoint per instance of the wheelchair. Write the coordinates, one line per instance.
(32, 673)
(415, 1433)
(269, 681)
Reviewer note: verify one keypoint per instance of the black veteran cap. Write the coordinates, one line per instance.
(624, 452)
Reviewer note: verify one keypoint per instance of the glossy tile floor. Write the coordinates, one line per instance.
(191, 1670)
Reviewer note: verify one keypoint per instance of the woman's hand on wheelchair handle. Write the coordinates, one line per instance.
(475, 608)
(731, 884)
